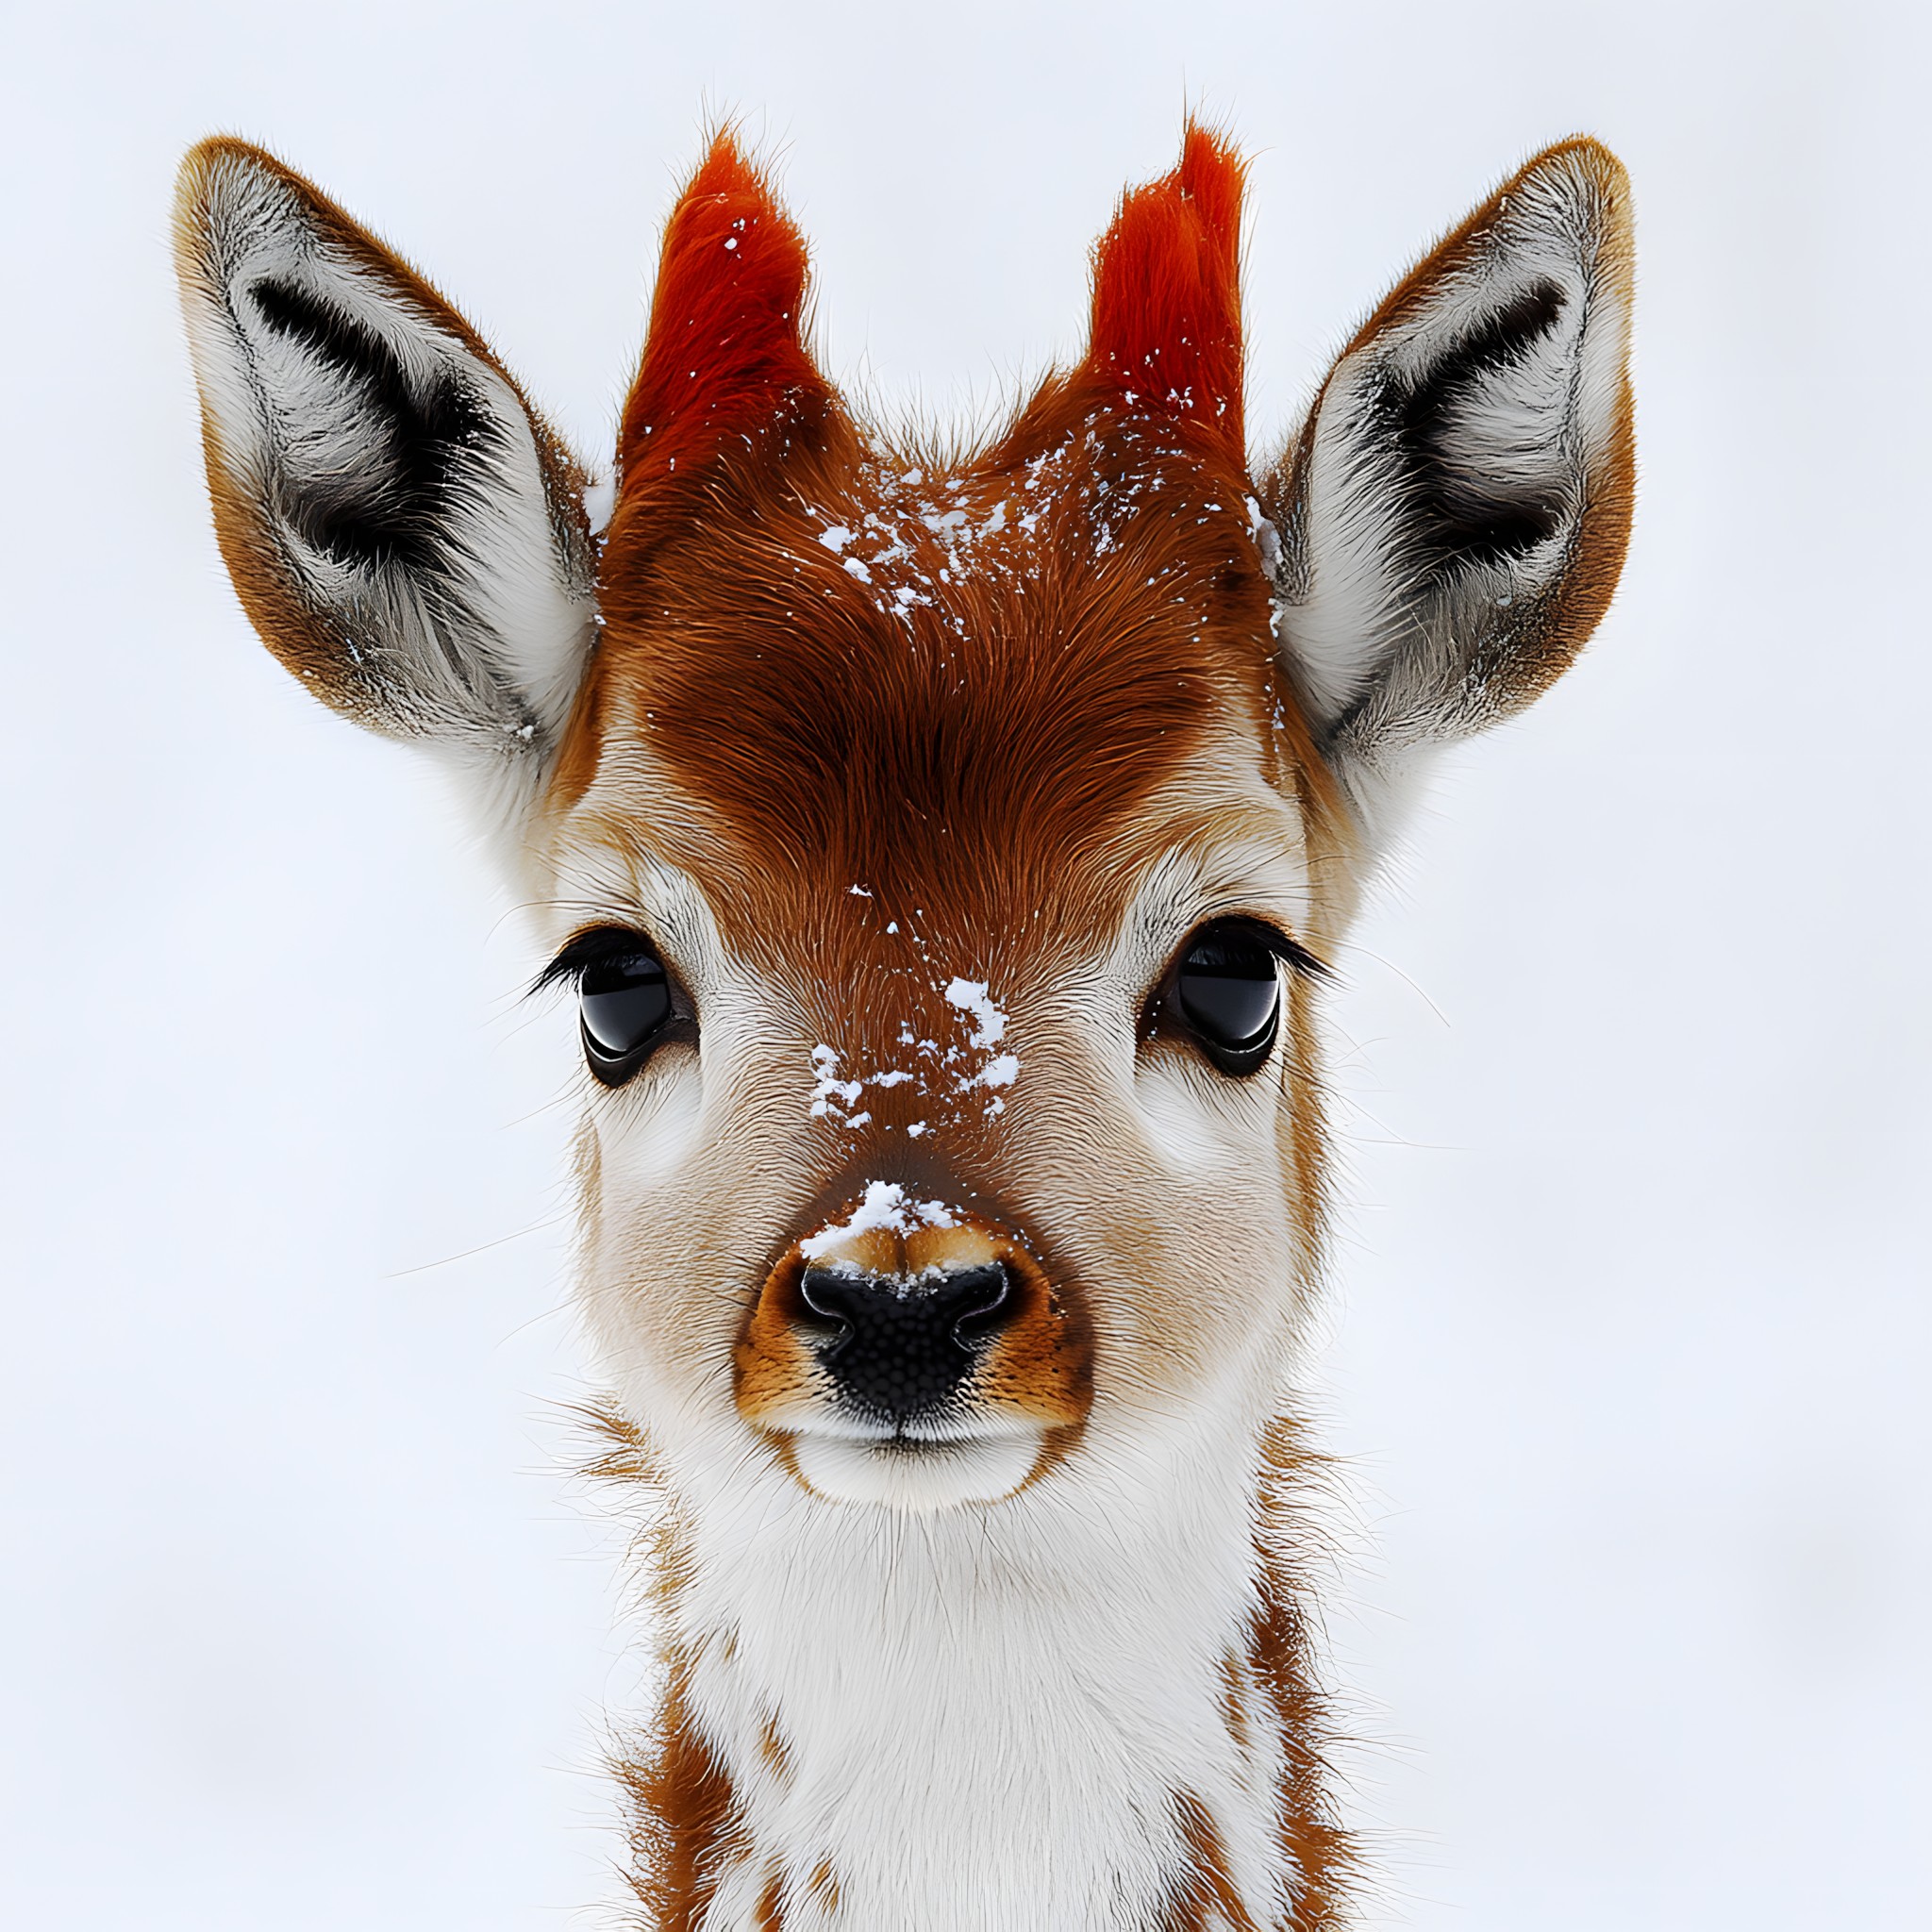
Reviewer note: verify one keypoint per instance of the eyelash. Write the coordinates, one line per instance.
(584, 950)
(1198, 999)
(1291, 953)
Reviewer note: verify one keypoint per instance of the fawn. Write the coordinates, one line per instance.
(944, 843)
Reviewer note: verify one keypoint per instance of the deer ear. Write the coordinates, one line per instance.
(1455, 511)
(406, 534)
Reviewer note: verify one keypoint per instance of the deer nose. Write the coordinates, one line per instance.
(899, 1346)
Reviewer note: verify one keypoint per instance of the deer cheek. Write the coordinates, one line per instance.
(647, 1131)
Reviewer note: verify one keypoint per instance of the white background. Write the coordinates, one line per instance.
(302, 1627)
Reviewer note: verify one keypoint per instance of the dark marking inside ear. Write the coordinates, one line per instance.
(1458, 513)
(384, 495)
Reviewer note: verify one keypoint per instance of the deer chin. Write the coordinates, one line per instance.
(913, 1475)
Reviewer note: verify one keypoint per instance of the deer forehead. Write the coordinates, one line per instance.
(978, 695)
(887, 946)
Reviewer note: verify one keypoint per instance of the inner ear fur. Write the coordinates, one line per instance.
(1455, 510)
(405, 532)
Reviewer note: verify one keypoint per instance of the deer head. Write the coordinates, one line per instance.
(944, 841)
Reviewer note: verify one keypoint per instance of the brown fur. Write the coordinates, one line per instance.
(1233, 1711)
(770, 1906)
(773, 1750)
(973, 759)
(823, 1885)
(681, 1809)
(1281, 1661)
(1207, 1899)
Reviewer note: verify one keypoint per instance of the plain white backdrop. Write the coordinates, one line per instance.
(301, 1625)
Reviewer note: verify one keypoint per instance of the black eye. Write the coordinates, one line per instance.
(623, 999)
(1227, 991)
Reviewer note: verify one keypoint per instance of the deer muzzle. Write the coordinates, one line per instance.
(915, 1354)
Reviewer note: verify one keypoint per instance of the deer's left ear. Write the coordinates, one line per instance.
(1455, 511)
(404, 531)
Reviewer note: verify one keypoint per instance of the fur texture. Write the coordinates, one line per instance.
(920, 770)
(405, 532)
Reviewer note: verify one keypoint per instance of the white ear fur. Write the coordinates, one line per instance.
(1455, 511)
(407, 535)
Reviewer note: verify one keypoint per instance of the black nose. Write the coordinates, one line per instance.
(899, 1348)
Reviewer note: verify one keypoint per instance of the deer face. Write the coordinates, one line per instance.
(943, 849)
(963, 814)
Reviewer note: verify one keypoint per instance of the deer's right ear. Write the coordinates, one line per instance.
(407, 535)
(1455, 512)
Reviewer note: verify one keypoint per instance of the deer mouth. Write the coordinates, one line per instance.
(958, 1429)
(902, 1472)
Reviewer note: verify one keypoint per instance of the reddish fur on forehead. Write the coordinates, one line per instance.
(965, 752)
(1167, 314)
(839, 696)
(725, 347)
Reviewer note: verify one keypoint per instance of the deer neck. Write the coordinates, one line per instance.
(1087, 1707)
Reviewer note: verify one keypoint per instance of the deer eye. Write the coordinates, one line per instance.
(624, 1002)
(1227, 991)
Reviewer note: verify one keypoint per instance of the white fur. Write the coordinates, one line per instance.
(987, 1708)
(986, 1712)
(937, 1477)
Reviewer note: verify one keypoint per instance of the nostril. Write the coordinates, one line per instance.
(827, 1294)
(980, 1300)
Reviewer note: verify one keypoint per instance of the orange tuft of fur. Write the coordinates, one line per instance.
(1167, 315)
(726, 348)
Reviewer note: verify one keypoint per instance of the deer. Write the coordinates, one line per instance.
(946, 840)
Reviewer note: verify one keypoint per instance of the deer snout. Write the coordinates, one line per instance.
(914, 1353)
(899, 1349)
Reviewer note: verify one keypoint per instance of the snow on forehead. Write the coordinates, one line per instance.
(913, 533)
(950, 678)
